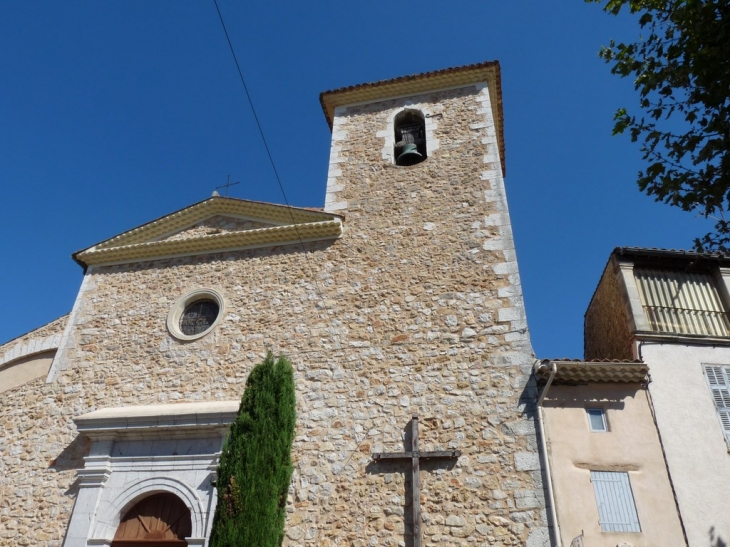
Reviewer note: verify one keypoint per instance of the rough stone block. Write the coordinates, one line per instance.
(527, 461)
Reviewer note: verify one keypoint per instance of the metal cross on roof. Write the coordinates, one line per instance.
(415, 456)
(228, 184)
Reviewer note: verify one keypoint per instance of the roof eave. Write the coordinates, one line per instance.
(644, 253)
(220, 243)
(594, 371)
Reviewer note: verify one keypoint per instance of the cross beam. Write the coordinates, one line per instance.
(415, 456)
(228, 184)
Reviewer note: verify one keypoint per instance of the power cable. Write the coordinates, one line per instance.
(250, 102)
(327, 310)
(268, 152)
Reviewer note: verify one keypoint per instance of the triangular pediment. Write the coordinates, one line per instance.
(214, 225)
(218, 224)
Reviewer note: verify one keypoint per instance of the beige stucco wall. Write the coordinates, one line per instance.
(417, 308)
(25, 369)
(695, 446)
(631, 445)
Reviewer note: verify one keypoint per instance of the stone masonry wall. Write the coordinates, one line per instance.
(44, 338)
(416, 309)
(450, 244)
(606, 327)
(35, 445)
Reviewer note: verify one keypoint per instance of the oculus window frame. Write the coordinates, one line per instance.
(183, 305)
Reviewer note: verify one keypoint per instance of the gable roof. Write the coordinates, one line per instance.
(288, 225)
(488, 71)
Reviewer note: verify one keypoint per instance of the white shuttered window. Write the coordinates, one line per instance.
(616, 507)
(718, 379)
(681, 302)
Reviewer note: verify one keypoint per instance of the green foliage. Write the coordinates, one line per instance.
(255, 467)
(682, 74)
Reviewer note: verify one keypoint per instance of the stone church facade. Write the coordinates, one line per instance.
(401, 297)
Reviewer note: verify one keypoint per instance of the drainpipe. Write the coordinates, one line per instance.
(543, 446)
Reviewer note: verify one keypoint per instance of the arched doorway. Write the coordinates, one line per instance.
(160, 520)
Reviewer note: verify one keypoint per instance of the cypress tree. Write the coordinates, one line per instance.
(255, 467)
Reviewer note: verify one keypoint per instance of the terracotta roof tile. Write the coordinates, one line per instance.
(573, 360)
(603, 370)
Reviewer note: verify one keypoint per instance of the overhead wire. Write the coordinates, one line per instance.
(250, 102)
(335, 335)
(270, 156)
(283, 192)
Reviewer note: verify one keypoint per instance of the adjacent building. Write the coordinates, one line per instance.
(609, 481)
(669, 311)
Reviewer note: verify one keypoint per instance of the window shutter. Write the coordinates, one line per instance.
(616, 507)
(718, 379)
(682, 302)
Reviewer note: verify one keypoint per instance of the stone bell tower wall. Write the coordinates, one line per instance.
(437, 280)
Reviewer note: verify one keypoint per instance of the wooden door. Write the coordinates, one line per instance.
(160, 520)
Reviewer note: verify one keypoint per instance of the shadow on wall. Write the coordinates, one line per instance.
(716, 541)
(582, 396)
(528, 398)
(72, 459)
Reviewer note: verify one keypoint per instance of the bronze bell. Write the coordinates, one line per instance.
(409, 156)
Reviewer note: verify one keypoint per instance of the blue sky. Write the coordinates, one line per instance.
(115, 113)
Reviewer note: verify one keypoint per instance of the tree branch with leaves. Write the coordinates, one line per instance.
(681, 70)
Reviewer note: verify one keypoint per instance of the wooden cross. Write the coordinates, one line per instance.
(415, 456)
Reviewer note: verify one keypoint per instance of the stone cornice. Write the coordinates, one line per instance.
(30, 347)
(290, 225)
(157, 421)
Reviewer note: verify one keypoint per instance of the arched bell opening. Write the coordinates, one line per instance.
(160, 520)
(410, 137)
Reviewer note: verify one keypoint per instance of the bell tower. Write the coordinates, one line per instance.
(454, 114)
(416, 168)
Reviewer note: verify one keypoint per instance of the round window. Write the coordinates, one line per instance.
(195, 314)
(199, 316)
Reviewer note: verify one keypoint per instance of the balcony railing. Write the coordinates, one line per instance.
(681, 302)
(684, 321)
